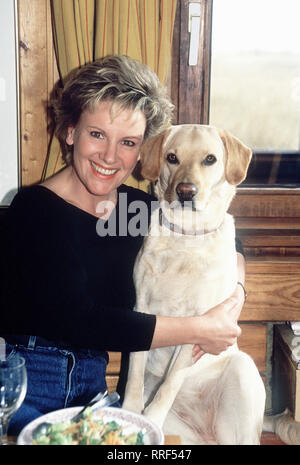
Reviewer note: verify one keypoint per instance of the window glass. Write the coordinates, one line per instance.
(255, 83)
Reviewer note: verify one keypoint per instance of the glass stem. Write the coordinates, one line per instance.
(3, 429)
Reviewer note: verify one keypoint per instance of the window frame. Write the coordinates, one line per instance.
(267, 218)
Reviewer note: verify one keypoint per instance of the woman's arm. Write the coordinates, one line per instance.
(239, 292)
(213, 332)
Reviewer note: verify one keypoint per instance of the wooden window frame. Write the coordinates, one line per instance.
(268, 219)
(189, 85)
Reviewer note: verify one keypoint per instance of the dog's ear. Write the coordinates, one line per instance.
(151, 156)
(238, 157)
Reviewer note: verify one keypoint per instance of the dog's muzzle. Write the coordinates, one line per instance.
(186, 191)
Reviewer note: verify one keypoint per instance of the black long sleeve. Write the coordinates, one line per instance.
(64, 282)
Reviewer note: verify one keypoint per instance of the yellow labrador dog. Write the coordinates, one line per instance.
(188, 265)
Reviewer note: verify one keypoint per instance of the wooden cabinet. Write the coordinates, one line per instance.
(286, 368)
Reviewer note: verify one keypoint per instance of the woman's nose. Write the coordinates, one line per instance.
(110, 154)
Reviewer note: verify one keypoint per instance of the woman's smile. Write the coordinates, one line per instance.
(100, 170)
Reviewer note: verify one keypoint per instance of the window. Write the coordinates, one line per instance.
(255, 84)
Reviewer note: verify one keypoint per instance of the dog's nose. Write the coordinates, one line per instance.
(186, 191)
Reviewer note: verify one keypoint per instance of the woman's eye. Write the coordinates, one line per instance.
(172, 158)
(96, 134)
(209, 160)
(129, 143)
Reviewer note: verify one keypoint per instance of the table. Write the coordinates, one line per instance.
(170, 440)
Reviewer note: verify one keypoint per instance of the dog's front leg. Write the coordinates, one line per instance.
(158, 409)
(134, 392)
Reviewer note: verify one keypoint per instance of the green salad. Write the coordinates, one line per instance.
(90, 430)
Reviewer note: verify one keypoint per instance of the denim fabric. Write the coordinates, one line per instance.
(57, 379)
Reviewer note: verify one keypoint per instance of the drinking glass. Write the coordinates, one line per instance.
(13, 386)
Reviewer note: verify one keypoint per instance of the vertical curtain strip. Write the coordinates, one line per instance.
(142, 29)
(73, 24)
(167, 18)
(150, 32)
(73, 31)
(85, 30)
(84, 19)
(120, 31)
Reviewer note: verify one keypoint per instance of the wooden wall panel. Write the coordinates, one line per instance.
(114, 363)
(113, 370)
(38, 73)
(267, 203)
(273, 291)
(253, 341)
(112, 382)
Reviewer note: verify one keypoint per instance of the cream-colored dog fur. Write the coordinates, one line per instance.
(184, 270)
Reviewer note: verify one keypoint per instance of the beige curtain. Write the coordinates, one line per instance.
(85, 30)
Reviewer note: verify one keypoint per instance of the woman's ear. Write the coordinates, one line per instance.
(70, 135)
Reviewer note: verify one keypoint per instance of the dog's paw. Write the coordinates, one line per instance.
(154, 415)
(132, 406)
(284, 426)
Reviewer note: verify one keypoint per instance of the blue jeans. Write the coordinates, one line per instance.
(57, 379)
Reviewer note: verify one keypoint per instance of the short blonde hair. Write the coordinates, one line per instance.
(120, 79)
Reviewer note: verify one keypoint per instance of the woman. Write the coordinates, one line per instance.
(67, 293)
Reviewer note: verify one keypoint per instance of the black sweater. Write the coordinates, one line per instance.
(60, 280)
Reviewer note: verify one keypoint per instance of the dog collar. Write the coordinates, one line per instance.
(163, 221)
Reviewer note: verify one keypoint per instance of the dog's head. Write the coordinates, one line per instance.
(196, 163)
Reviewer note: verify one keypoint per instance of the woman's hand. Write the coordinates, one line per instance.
(197, 353)
(220, 323)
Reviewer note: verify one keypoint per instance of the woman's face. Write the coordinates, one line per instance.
(106, 150)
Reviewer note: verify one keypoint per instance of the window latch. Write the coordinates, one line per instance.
(194, 30)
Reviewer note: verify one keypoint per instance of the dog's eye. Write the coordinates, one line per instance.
(209, 160)
(171, 157)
